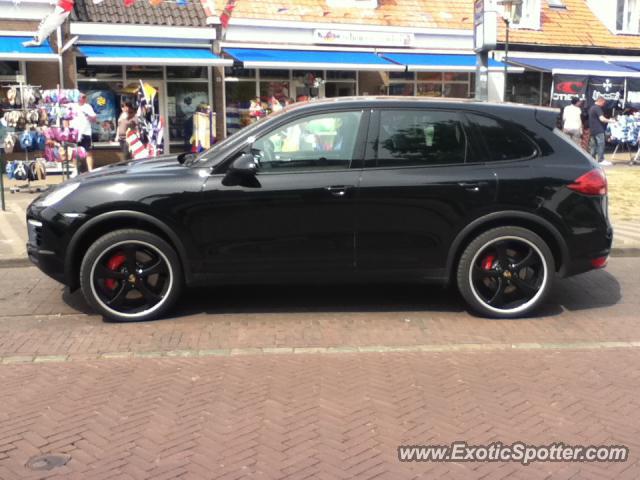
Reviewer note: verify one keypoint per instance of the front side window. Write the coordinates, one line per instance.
(503, 140)
(420, 137)
(319, 141)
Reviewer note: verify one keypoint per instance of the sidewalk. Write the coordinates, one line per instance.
(13, 231)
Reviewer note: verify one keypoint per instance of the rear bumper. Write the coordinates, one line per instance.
(583, 263)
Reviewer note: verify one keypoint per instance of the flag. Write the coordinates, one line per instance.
(51, 22)
(226, 14)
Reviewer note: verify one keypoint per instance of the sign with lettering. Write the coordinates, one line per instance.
(565, 87)
(484, 25)
(611, 88)
(349, 37)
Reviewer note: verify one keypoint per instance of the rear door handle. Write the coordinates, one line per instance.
(338, 190)
(473, 186)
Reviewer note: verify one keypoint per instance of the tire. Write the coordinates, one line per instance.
(131, 275)
(494, 291)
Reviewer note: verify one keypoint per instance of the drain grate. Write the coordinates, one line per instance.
(48, 462)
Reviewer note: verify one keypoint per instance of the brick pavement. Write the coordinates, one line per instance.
(36, 318)
(314, 416)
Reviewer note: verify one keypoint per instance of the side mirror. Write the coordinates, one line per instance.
(245, 164)
(186, 156)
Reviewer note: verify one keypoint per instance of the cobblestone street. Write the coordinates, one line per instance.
(315, 382)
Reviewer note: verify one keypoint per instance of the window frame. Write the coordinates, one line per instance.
(482, 146)
(354, 164)
(370, 161)
(621, 16)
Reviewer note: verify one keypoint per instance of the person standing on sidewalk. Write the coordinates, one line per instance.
(597, 127)
(126, 121)
(85, 116)
(572, 120)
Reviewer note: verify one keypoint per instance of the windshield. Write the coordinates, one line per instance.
(236, 138)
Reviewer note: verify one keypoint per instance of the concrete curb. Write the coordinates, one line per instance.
(19, 262)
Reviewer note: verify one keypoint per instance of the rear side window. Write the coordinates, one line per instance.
(420, 137)
(503, 140)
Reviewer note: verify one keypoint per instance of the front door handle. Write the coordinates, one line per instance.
(473, 186)
(338, 190)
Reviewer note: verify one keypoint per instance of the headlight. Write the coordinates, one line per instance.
(58, 194)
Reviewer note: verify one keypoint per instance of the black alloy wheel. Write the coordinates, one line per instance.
(131, 275)
(506, 272)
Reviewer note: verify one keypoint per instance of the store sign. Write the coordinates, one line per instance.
(633, 92)
(485, 25)
(611, 88)
(346, 37)
(565, 87)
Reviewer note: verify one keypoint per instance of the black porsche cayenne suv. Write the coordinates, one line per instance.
(490, 197)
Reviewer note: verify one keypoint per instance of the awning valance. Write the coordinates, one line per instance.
(135, 55)
(11, 49)
(439, 62)
(311, 59)
(575, 66)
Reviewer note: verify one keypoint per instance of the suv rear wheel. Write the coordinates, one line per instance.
(131, 275)
(506, 272)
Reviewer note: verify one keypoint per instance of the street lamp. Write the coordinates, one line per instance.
(511, 13)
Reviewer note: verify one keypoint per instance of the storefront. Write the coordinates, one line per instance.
(554, 79)
(182, 78)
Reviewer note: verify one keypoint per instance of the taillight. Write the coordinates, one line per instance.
(593, 182)
(599, 262)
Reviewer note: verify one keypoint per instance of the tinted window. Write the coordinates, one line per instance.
(320, 141)
(420, 137)
(504, 141)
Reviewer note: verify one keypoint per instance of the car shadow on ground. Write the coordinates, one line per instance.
(592, 290)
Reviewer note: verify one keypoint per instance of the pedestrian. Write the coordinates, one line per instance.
(85, 116)
(572, 120)
(597, 127)
(126, 121)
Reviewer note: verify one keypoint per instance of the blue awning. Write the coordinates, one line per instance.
(439, 62)
(134, 55)
(11, 49)
(577, 67)
(633, 65)
(311, 59)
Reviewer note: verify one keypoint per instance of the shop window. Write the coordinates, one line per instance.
(279, 90)
(273, 74)
(105, 72)
(183, 100)
(455, 90)
(420, 137)
(430, 76)
(456, 77)
(341, 75)
(628, 16)
(402, 76)
(239, 72)
(320, 141)
(238, 101)
(402, 89)
(145, 71)
(9, 69)
(105, 99)
(429, 90)
(339, 89)
(526, 88)
(186, 72)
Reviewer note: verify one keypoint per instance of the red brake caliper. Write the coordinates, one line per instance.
(487, 262)
(114, 264)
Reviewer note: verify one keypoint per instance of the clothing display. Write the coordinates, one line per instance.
(625, 130)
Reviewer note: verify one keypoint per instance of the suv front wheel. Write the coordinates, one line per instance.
(131, 275)
(506, 272)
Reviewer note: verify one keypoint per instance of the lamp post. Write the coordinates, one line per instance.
(509, 15)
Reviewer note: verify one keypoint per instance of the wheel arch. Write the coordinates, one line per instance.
(115, 220)
(545, 229)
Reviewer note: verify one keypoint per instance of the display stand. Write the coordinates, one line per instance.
(28, 186)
